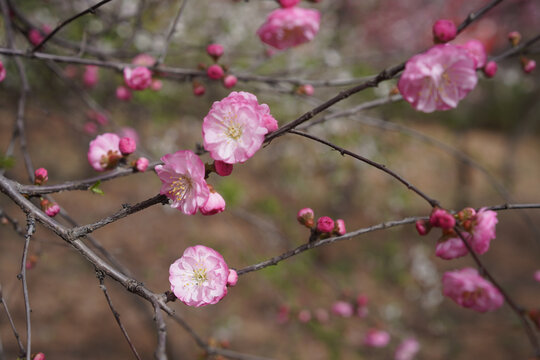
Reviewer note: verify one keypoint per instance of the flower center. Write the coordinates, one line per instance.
(180, 187)
(234, 131)
(199, 276)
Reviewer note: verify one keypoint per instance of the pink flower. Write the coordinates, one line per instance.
(285, 28)
(477, 51)
(342, 308)
(141, 164)
(407, 350)
(182, 175)
(139, 78)
(306, 217)
(490, 69)
(484, 230)
(339, 227)
(470, 290)
(199, 277)
(376, 338)
(270, 123)
(304, 316)
(156, 85)
(215, 72)
(90, 77)
(222, 168)
(229, 81)
(123, 93)
(451, 248)
(288, 3)
(529, 65)
(127, 145)
(50, 208)
(325, 224)
(39, 356)
(444, 30)
(2, 71)
(35, 37)
(442, 218)
(41, 176)
(215, 51)
(104, 153)
(438, 79)
(143, 60)
(214, 205)
(234, 128)
(232, 279)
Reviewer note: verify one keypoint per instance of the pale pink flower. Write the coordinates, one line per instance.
(199, 277)
(232, 279)
(442, 218)
(143, 60)
(215, 51)
(490, 69)
(451, 248)
(343, 309)
(306, 217)
(438, 79)
(325, 224)
(123, 93)
(470, 290)
(2, 71)
(141, 164)
(339, 227)
(444, 30)
(104, 153)
(229, 81)
(41, 176)
(288, 3)
(234, 128)
(222, 168)
(477, 51)
(182, 175)
(376, 338)
(285, 28)
(90, 76)
(407, 350)
(215, 72)
(127, 145)
(139, 78)
(304, 316)
(214, 205)
(484, 230)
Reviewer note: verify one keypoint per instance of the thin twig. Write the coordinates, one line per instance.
(30, 228)
(161, 327)
(172, 29)
(19, 342)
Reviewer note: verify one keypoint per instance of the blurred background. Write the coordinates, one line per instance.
(483, 153)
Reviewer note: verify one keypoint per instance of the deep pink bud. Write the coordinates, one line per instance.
(325, 224)
(229, 81)
(214, 205)
(123, 93)
(215, 51)
(306, 217)
(198, 89)
(39, 356)
(50, 208)
(127, 146)
(423, 227)
(90, 77)
(362, 300)
(215, 72)
(339, 227)
(490, 69)
(35, 37)
(232, 279)
(288, 3)
(442, 218)
(528, 65)
(514, 37)
(142, 164)
(222, 168)
(41, 176)
(444, 31)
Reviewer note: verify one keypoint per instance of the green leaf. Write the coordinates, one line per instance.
(7, 162)
(95, 188)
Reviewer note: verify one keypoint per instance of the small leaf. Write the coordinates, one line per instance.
(95, 188)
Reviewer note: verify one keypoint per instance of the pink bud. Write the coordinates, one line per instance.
(90, 77)
(304, 316)
(90, 128)
(442, 218)
(123, 93)
(342, 308)
(270, 123)
(51, 209)
(215, 72)
(306, 217)
(306, 89)
(39, 356)
(222, 168)
(40, 176)
(444, 31)
(229, 81)
(528, 65)
(376, 338)
(325, 224)
(2, 71)
(423, 227)
(142, 164)
(35, 37)
(490, 69)
(232, 279)
(215, 51)
(198, 89)
(139, 78)
(288, 3)
(339, 227)
(514, 37)
(214, 205)
(127, 146)
(156, 85)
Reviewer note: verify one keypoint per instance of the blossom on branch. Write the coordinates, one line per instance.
(139, 78)
(438, 79)
(182, 175)
(104, 152)
(470, 290)
(289, 27)
(234, 128)
(477, 51)
(199, 277)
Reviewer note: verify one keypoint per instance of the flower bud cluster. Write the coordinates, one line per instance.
(325, 226)
(215, 71)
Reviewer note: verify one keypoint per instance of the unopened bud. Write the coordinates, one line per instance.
(514, 37)
(41, 176)
(339, 227)
(442, 218)
(325, 224)
(306, 217)
(490, 69)
(423, 227)
(222, 168)
(444, 31)
(528, 65)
